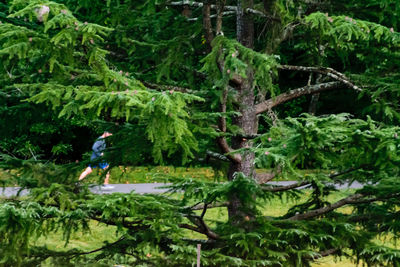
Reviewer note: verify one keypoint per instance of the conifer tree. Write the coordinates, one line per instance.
(231, 79)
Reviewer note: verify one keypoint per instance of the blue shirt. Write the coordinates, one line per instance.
(98, 147)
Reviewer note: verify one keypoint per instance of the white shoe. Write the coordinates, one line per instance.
(107, 187)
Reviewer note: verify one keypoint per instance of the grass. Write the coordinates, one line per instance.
(159, 174)
(154, 174)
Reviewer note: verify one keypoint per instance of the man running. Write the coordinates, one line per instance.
(98, 147)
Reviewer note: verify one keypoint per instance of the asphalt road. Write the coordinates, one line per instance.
(153, 188)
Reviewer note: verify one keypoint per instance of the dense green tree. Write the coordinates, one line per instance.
(178, 79)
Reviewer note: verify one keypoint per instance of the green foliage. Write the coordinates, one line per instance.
(143, 70)
(237, 59)
(96, 90)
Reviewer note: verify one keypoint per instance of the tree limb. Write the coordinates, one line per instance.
(299, 184)
(205, 232)
(295, 93)
(201, 226)
(223, 144)
(102, 248)
(286, 187)
(226, 8)
(210, 206)
(325, 71)
(353, 199)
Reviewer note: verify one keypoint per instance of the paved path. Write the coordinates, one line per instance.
(146, 188)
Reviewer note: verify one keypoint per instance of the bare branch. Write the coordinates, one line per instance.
(295, 93)
(325, 71)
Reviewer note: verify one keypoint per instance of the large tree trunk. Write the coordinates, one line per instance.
(248, 119)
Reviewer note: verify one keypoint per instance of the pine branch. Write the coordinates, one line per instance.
(209, 206)
(101, 248)
(299, 184)
(325, 71)
(286, 187)
(336, 174)
(162, 87)
(353, 199)
(325, 253)
(69, 254)
(201, 226)
(295, 93)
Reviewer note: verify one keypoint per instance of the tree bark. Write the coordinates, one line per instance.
(207, 26)
(247, 121)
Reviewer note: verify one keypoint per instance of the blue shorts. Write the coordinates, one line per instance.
(102, 165)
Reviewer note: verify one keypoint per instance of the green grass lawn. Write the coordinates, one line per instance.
(152, 174)
(159, 174)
